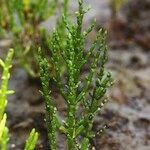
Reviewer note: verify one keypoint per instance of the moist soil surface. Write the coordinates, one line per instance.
(128, 111)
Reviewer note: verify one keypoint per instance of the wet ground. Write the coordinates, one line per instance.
(128, 111)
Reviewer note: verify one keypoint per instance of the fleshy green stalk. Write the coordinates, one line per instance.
(3, 133)
(32, 140)
(3, 98)
(51, 119)
(5, 77)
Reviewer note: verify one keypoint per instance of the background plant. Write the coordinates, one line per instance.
(115, 6)
(87, 93)
(4, 131)
(22, 20)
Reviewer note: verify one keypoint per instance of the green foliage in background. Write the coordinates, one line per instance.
(115, 6)
(15, 14)
(85, 95)
(21, 20)
(4, 138)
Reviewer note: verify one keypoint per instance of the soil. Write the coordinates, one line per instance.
(128, 111)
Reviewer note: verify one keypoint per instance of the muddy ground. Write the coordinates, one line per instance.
(128, 111)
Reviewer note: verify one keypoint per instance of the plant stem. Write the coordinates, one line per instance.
(71, 127)
(4, 85)
(65, 8)
(71, 117)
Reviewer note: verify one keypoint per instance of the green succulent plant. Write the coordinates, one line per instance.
(86, 94)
